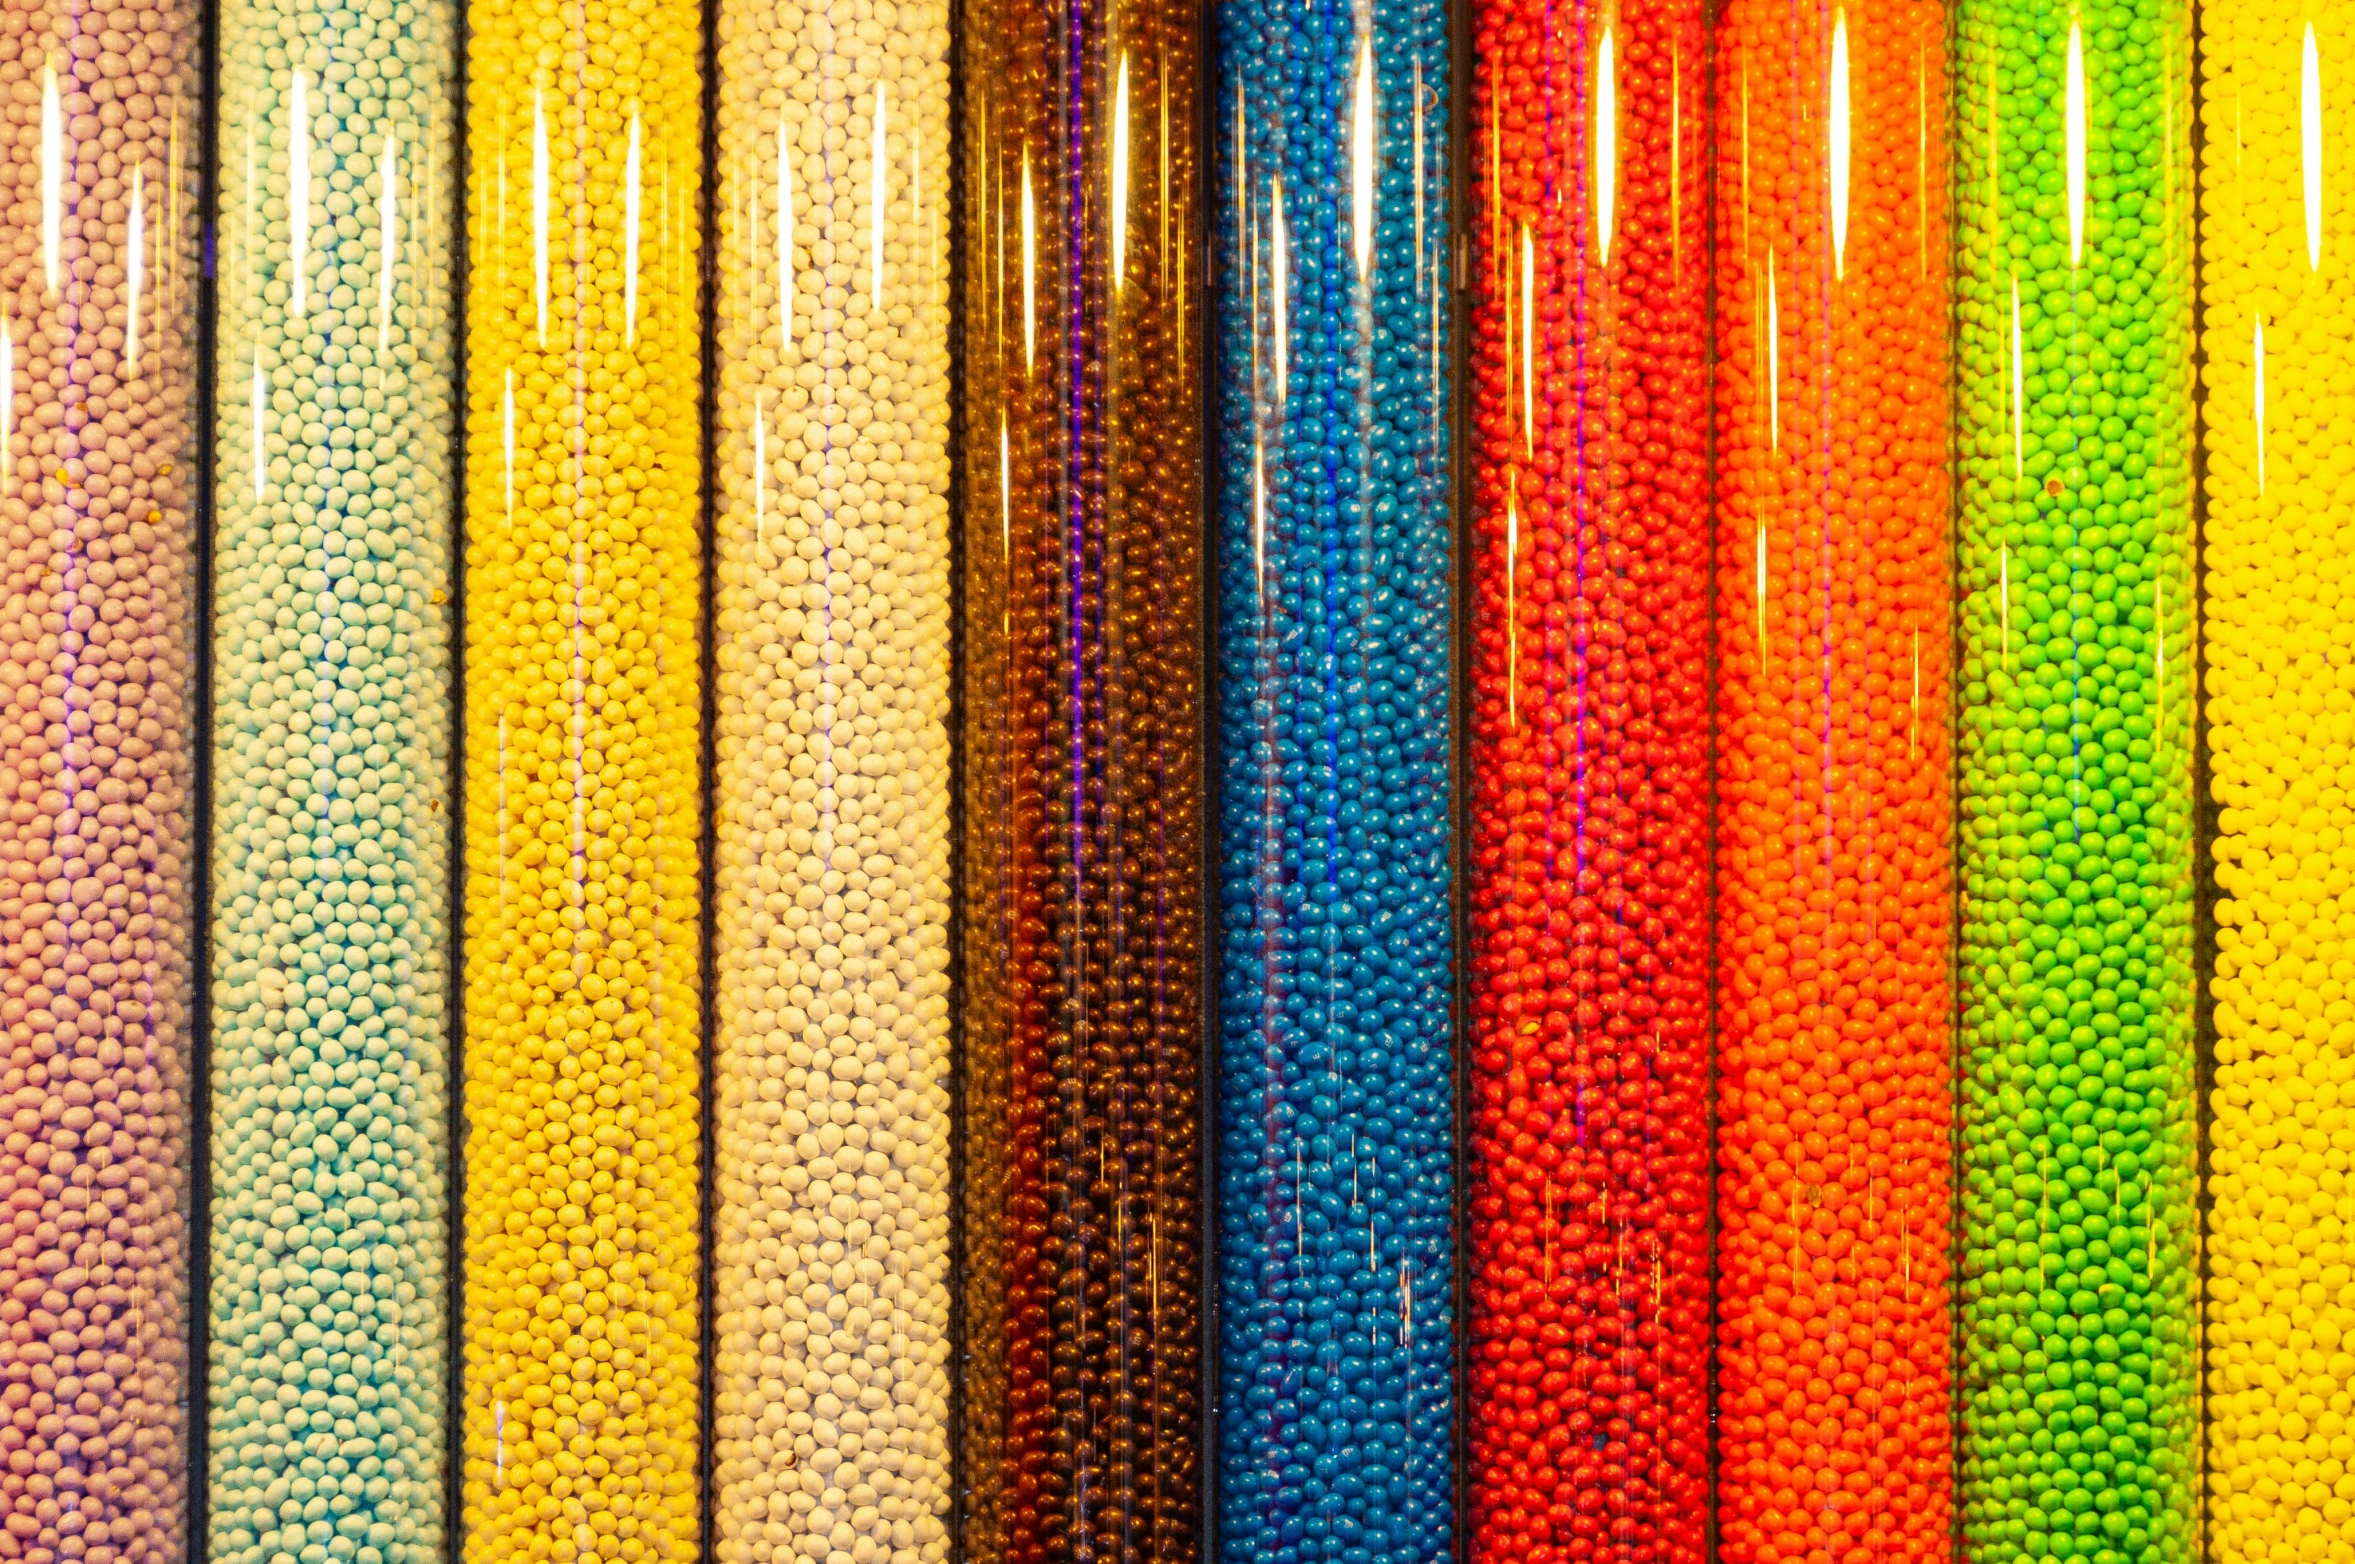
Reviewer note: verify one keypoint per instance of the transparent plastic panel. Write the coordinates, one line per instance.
(332, 790)
(832, 796)
(582, 778)
(98, 630)
(2078, 1249)
(1335, 574)
(1835, 914)
(2280, 686)
(1589, 984)
(1081, 1423)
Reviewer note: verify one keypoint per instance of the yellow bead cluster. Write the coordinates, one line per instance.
(2280, 415)
(582, 747)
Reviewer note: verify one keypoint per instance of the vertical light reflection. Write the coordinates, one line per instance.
(388, 222)
(1259, 517)
(1840, 144)
(1512, 608)
(1528, 341)
(298, 198)
(2076, 141)
(1761, 589)
(1774, 361)
(137, 258)
(540, 212)
(1120, 177)
(1283, 269)
(1361, 158)
(785, 231)
(1029, 270)
(52, 175)
(1606, 145)
(1005, 489)
(631, 215)
(2310, 144)
(878, 197)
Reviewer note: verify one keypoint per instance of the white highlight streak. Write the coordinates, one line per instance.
(1528, 342)
(1840, 144)
(1029, 270)
(2076, 135)
(1606, 145)
(1283, 299)
(1361, 156)
(785, 233)
(1774, 362)
(1005, 487)
(2310, 142)
(298, 198)
(540, 210)
(1120, 177)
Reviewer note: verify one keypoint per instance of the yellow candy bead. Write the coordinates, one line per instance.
(2281, 706)
(583, 741)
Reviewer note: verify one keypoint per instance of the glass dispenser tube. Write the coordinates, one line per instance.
(1083, 650)
(2281, 690)
(2078, 1243)
(1835, 921)
(97, 734)
(1589, 980)
(583, 700)
(831, 1241)
(335, 355)
(1336, 1068)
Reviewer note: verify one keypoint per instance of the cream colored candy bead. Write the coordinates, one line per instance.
(832, 796)
(2281, 707)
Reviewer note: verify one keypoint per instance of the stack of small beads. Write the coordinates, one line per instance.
(832, 798)
(582, 1413)
(331, 787)
(1589, 986)
(1082, 669)
(2077, 1245)
(1834, 925)
(2281, 708)
(97, 635)
(1335, 1091)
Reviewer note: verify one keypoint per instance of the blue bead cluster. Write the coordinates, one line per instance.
(1336, 1181)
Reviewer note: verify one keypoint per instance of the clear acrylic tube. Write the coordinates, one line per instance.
(582, 755)
(98, 632)
(1336, 1123)
(831, 1208)
(2074, 208)
(1083, 807)
(1589, 760)
(2278, 1313)
(332, 791)
(1835, 921)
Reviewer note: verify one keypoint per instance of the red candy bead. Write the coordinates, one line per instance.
(1589, 1302)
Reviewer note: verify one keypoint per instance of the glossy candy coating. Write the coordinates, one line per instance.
(332, 785)
(1336, 1100)
(2074, 199)
(1082, 811)
(831, 1199)
(97, 735)
(1589, 985)
(2280, 679)
(583, 580)
(1835, 924)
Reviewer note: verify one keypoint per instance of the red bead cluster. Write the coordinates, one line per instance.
(1835, 1109)
(1590, 1315)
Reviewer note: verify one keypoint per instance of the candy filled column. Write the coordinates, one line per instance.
(332, 786)
(1336, 1101)
(1083, 941)
(1589, 986)
(2078, 1246)
(2280, 687)
(97, 735)
(831, 1205)
(1834, 918)
(582, 724)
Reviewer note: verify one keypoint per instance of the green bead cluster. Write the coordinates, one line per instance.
(2079, 1162)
